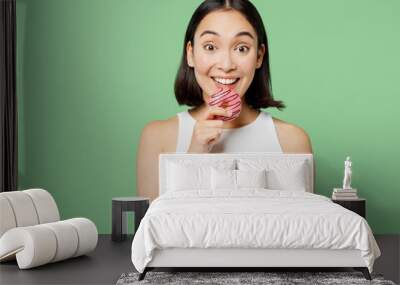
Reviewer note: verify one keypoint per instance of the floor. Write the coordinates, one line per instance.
(111, 259)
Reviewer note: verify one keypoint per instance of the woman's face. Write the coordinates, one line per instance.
(225, 47)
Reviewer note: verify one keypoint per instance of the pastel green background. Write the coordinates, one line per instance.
(92, 73)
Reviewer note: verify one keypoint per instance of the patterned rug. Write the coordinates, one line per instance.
(230, 278)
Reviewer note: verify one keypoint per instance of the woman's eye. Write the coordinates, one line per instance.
(243, 49)
(209, 47)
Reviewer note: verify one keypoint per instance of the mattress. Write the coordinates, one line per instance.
(254, 218)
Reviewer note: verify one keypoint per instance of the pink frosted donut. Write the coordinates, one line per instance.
(228, 99)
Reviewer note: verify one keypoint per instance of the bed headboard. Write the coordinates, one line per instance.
(164, 158)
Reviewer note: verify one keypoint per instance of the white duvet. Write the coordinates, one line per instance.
(250, 218)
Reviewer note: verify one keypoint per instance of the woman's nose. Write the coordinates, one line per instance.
(226, 62)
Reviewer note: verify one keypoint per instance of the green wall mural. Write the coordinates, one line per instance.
(92, 73)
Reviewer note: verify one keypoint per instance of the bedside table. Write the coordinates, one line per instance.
(121, 205)
(356, 205)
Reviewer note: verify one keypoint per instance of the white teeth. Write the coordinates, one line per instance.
(225, 81)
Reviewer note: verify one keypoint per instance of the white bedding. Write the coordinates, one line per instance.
(250, 218)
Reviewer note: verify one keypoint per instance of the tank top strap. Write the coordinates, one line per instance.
(265, 118)
(185, 131)
(268, 126)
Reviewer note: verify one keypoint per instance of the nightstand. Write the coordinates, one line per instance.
(356, 205)
(121, 205)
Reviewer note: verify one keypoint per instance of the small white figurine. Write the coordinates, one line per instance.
(347, 174)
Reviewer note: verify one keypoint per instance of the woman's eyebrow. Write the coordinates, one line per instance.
(244, 33)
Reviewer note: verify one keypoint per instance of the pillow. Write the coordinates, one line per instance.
(187, 177)
(237, 179)
(191, 174)
(289, 179)
(223, 178)
(251, 178)
(281, 174)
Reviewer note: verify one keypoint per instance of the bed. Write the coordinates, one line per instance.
(247, 210)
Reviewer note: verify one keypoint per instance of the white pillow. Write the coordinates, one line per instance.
(190, 174)
(223, 179)
(237, 179)
(281, 174)
(289, 179)
(251, 178)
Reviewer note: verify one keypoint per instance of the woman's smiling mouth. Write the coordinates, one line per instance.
(225, 82)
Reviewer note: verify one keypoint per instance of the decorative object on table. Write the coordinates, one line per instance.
(31, 231)
(348, 194)
(247, 278)
(345, 193)
(356, 205)
(120, 207)
(347, 174)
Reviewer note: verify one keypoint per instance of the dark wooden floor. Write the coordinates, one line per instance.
(111, 259)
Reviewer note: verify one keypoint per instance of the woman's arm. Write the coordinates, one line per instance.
(301, 143)
(294, 139)
(149, 149)
(297, 140)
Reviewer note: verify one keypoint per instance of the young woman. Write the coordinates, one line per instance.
(225, 46)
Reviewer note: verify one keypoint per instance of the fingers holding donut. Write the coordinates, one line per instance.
(228, 99)
(207, 130)
(224, 105)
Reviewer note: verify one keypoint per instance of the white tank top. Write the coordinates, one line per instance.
(258, 136)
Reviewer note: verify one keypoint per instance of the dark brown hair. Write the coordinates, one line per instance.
(259, 93)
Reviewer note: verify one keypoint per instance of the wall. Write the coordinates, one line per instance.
(92, 73)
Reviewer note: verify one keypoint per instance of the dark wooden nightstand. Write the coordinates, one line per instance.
(356, 205)
(120, 207)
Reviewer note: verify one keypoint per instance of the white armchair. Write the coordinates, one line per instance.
(32, 233)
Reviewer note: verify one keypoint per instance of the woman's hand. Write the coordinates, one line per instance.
(207, 130)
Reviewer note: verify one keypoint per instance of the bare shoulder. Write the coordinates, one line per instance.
(293, 138)
(163, 132)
